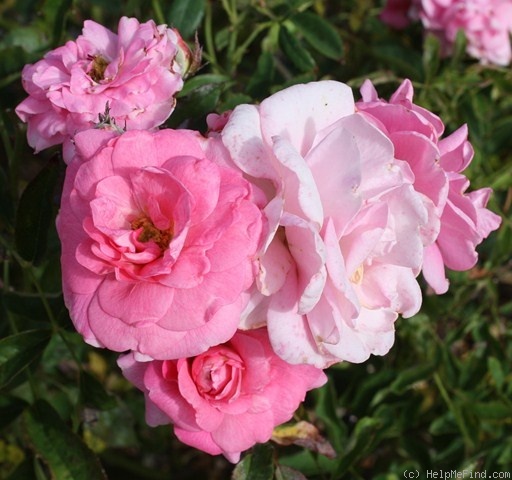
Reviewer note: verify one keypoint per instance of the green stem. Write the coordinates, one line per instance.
(240, 51)
(53, 320)
(9, 150)
(5, 273)
(159, 14)
(27, 267)
(31, 380)
(9, 79)
(454, 410)
(231, 10)
(208, 38)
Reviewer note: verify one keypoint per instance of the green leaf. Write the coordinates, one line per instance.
(24, 471)
(235, 99)
(309, 464)
(403, 61)
(35, 214)
(200, 81)
(263, 77)
(496, 371)
(259, 465)
(10, 408)
(262, 463)
(199, 98)
(443, 425)
(12, 60)
(55, 12)
(294, 50)
(431, 56)
(459, 48)
(286, 473)
(186, 15)
(320, 34)
(31, 306)
(63, 452)
(361, 441)
(493, 410)
(6, 203)
(410, 376)
(18, 351)
(93, 394)
(31, 39)
(505, 458)
(326, 410)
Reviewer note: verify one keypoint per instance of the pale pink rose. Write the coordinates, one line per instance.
(487, 25)
(136, 73)
(347, 229)
(227, 399)
(158, 242)
(436, 163)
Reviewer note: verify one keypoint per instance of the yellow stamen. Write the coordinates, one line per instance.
(357, 276)
(149, 232)
(99, 65)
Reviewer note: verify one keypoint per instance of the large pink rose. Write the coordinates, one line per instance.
(158, 243)
(436, 163)
(136, 73)
(227, 399)
(347, 229)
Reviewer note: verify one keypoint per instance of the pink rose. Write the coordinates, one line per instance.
(347, 229)
(397, 13)
(158, 240)
(487, 25)
(437, 164)
(136, 73)
(228, 398)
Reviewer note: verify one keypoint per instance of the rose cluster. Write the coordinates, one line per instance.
(487, 24)
(230, 269)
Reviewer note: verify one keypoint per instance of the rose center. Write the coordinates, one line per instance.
(149, 232)
(99, 65)
(357, 276)
(218, 377)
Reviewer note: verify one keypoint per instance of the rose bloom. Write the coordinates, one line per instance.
(487, 24)
(134, 73)
(398, 13)
(436, 163)
(347, 229)
(158, 242)
(228, 398)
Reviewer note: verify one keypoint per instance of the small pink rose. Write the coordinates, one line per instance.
(397, 13)
(158, 242)
(136, 73)
(226, 399)
(487, 24)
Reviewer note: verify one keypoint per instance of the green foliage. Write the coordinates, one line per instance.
(64, 454)
(35, 214)
(440, 400)
(186, 15)
(18, 351)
